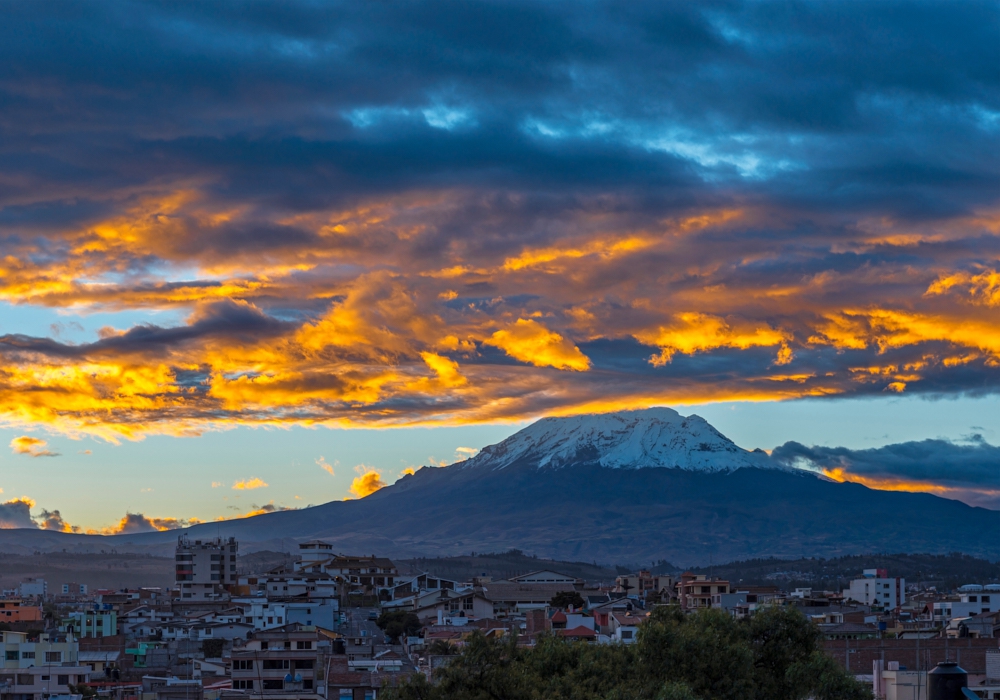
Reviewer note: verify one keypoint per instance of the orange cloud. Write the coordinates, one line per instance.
(33, 447)
(529, 341)
(696, 332)
(250, 484)
(368, 481)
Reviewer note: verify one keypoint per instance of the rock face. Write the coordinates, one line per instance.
(656, 437)
(623, 488)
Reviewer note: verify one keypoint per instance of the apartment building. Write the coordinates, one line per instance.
(18, 610)
(644, 584)
(281, 664)
(21, 651)
(877, 589)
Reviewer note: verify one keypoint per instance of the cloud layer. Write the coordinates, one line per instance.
(967, 472)
(446, 212)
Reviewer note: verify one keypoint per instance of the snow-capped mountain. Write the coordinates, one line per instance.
(654, 437)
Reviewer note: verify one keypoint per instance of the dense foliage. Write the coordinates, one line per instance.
(396, 623)
(566, 599)
(774, 655)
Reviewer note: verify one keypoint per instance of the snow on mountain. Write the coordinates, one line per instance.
(654, 437)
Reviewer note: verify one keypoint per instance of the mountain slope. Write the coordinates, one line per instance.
(624, 488)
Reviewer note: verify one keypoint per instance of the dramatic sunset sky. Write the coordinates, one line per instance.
(261, 255)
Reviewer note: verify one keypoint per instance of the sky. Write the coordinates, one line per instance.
(257, 256)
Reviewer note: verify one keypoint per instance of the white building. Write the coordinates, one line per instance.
(876, 588)
(33, 588)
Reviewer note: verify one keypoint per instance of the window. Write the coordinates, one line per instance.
(626, 634)
(985, 599)
(275, 665)
(24, 679)
(307, 683)
(306, 664)
(467, 604)
(53, 657)
(303, 645)
(242, 664)
(263, 646)
(242, 685)
(27, 654)
(272, 684)
(12, 655)
(346, 694)
(62, 680)
(972, 599)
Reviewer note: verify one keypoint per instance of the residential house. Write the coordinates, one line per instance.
(695, 591)
(92, 623)
(624, 626)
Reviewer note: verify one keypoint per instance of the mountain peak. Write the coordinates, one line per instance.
(653, 437)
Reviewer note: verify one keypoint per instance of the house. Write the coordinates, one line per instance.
(624, 626)
(695, 591)
(99, 662)
(92, 623)
(448, 605)
(602, 612)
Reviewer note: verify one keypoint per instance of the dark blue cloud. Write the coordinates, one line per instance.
(971, 470)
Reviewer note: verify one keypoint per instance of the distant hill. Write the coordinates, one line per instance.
(946, 571)
(622, 488)
(503, 565)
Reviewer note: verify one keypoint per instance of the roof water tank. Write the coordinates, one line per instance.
(945, 682)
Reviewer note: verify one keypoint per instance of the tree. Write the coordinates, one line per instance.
(442, 647)
(775, 655)
(564, 599)
(212, 648)
(396, 623)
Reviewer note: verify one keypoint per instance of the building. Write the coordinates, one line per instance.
(875, 588)
(546, 576)
(624, 626)
(21, 651)
(644, 584)
(92, 623)
(204, 567)
(16, 610)
(695, 591)
(282, 664)
(40, 682)
(74, 589)
(33, 588)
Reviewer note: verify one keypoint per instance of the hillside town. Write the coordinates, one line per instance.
(335, 626)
